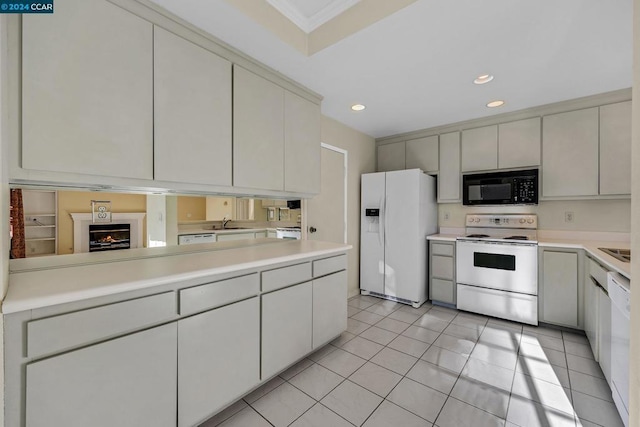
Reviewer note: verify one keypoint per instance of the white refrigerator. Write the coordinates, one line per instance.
(398, 211)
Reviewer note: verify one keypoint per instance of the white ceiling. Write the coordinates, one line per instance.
(414, 69)
(310, 14)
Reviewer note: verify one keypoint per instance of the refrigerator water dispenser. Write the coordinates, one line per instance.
(373, 220)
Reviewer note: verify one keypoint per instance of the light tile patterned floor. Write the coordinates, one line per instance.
(400, 366)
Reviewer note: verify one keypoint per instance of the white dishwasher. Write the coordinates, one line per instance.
(620, 294)
(192, 239)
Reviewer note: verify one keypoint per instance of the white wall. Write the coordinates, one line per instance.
(361, 159)
(634, 386)
(589, 215)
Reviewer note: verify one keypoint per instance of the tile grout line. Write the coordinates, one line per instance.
(450, 322)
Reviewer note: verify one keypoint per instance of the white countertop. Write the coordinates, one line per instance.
(591, 247)
(580, 241)
(222, 230)
(443, 237)
(37, 288)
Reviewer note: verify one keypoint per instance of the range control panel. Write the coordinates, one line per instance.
(503, 220)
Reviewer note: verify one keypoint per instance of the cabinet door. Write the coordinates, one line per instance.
(615, 148)
(129, 381)
(519, 143)
(443, 291)
(591, 314)
(560, 292)
(218, 359)
(87, 76)
(570, 154)
(604, 333)
(442, 267)
(301, 144)
(480, 149)
(449, 176)
(391, 157)
(286, 327)
(258, 132)
(329, 307)
(422, 153)
(192, 112)
(234, 236)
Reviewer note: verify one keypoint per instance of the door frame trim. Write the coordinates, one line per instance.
(346, 209)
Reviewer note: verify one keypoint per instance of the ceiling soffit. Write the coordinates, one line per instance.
(310, 14)
(313, 25)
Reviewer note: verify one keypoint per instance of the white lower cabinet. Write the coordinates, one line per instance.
(234, 236)
(591, 306)
(597, 315)
(329, 307)
(286, 327)
(218, 359)
(220, 340)
(559, 287)
(604, 333)
(129, 381)
(442, 281)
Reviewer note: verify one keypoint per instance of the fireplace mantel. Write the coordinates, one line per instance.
(81, 222)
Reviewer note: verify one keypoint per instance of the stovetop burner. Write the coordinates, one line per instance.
(516, 238)
(478, 235)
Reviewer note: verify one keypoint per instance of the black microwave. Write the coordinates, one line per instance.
(501, 188)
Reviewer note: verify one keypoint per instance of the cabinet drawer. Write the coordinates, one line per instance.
(65, 331)
(443, 290)
(216, 294)
(322, 267)
(442, 267)
(285, 276)
(597, 272)
(441, 249)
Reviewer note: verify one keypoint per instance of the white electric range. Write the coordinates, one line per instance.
(497, 266)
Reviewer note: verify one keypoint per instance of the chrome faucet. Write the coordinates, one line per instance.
(225, 221)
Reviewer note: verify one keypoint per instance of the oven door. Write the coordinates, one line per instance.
(511, 267)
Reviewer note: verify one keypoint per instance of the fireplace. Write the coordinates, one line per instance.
(82, 222)
(109, 237)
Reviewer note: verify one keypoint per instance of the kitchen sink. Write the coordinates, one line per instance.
(623, 255)
(230, 228)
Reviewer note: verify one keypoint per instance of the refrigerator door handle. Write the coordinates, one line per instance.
(386, 239)
(380, 235)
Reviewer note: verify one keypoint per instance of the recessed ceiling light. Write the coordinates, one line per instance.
(358, 107)
(485, 78)
(494, 104)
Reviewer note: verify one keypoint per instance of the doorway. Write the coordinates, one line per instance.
(326, 213)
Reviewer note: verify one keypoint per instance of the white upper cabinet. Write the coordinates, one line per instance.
(301, 144)
(615, 148)
(480, 149)
(258, 132)
(422, 153)
(570, 154)
(519, 143)
(391, 157)
(192, 112)
(449, 174)
(87, 91)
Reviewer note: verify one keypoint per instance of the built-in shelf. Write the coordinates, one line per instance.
(41, 222)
